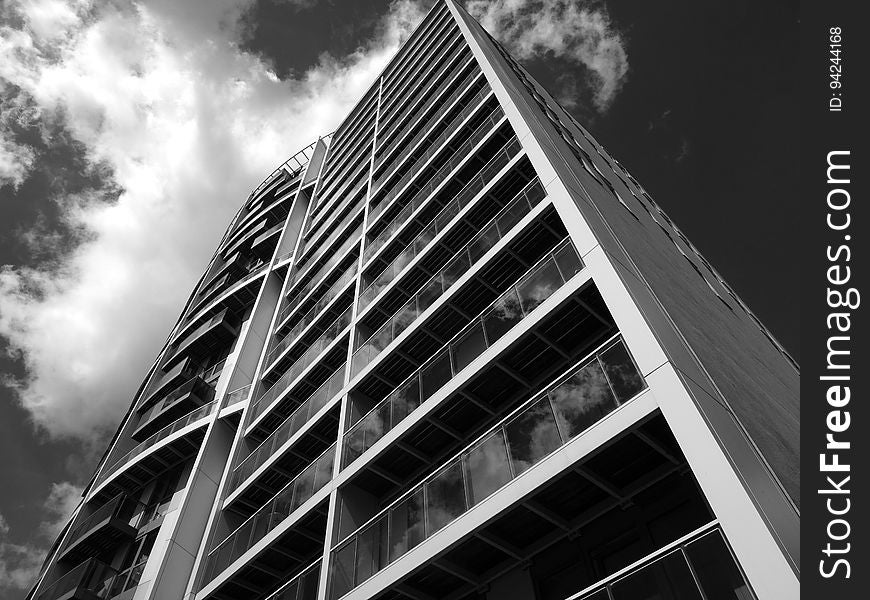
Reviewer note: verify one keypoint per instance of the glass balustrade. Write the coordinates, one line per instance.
(92, 576)
(700, 568)
(301, 587)
(511, 307)
(440, 282)
(461, 199)
(334, 289)
(293, 423)
(529, 434)
(383, 152)
(177, 425)
(456, 157)
(430, 151)
(267, 398)
(312, 314)
(237, 395)
(293, 495)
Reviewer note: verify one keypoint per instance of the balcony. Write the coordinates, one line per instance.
(180, 401)
(217, 331)
(511, 307)
(301, 587)
(91, 580)
(103, 529)
(299, 540)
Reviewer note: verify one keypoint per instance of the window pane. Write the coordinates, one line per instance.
(436, 374)
(341, 575)
(406, 525)
(512, 215)
(453, 271)
(354, 444)
(404, 317)
(532, 435)
(308, 585)
(713, 564)
(289, 592)
(668, 578)
(582, 400)
(323, 470)
(621, 372)
(539, 286)
(487, 467)
(303, 488)
(469, 346)
(503, 315)
(445, 497)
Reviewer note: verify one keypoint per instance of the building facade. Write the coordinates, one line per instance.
(452, 350)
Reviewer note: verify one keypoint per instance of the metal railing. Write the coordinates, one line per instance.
(293, 423)
(557, 415)
(511, 148)
(196, 385)
(284, 504)
(176, 425)
(538, 283)
(335, 330)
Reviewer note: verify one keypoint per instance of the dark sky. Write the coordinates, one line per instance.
(707, 121)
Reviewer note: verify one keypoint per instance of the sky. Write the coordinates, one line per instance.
(130, 132)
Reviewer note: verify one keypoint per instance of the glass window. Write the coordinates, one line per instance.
(323, 469)
(289, 592)
(621, 372)
(445, 497)
(404, 317)
(503, 315)
(717, 573)
(568, 260)
(582, 400)
(308, 585)
(469, 346)
(487, 467)
(668, 578)
(532, 435)
(406, 525)
(455, 269)
(354, 444)
(512, 215)
(341, 575)
(261, 524)
(435, 375)
(539, 286)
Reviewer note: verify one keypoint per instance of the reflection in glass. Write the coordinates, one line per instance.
(714, 566)
(582, 400)
(341, 573)
(621, 372)
(445, 497)
(668, 578)
(505, 313)
(487, 467)
(539, 286)
(370, 546)
(532, 435)
(469, 346)
(406, 525)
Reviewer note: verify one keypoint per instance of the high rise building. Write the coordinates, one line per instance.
(452, 350)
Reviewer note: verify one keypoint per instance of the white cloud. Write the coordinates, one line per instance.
(159, 95)
(20, 562)
(578, 30)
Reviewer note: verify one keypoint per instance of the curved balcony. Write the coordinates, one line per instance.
(188, 396)
(217, 331)
(101, 530)
(90, 580)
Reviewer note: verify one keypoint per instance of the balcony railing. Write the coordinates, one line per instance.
(237, 395)
(496, 229)
(535, 430)
(314, 282)
(456, 157)
(301, 587)
(474, 185)
(196, 390)
(410, 145)
(312, 314)
(293, 495)
(293, 423)
(431, 150)
(268, 397)
(91, 577)
(393, 137)
(539, 283)
(179, 424)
